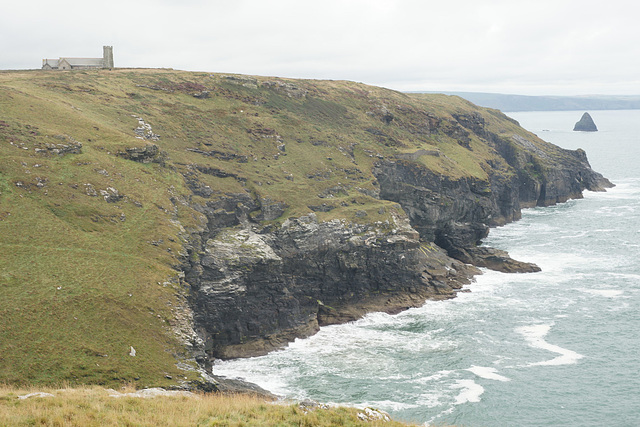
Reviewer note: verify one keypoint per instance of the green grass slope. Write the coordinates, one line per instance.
(92, 231)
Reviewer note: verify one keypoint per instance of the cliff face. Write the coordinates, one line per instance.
(256, 291)
(195, 216)
(457, 214)
(257, 288)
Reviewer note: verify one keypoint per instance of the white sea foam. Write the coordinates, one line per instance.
(488, 373)
(435, 377)
(615, 211)
(430, 399)
(624, 189)
(387, 405)
(470, 391)
(377, 319)
(253, 371)
(608, 293)
(534, 335)
(625, 276)
(559, 262)
(575, 236)
(441, 414)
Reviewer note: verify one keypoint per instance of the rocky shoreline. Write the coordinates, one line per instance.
(256, 287)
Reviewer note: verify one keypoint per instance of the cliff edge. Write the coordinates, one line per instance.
(194, 216)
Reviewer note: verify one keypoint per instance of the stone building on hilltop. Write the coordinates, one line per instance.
(81, 63)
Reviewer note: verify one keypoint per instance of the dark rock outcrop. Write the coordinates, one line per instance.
(256, 291)
(585, 124)
(150, 153)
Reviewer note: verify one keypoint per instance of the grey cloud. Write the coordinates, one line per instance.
(543, 47)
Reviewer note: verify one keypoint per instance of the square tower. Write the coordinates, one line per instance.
(107, 57)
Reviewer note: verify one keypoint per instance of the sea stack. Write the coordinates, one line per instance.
(585, 124)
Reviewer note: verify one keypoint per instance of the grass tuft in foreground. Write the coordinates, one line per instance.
(95, 406)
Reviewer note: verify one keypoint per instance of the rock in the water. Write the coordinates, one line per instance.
(585, 124)
(495, 259)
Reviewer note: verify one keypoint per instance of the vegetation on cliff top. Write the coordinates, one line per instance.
(100, 172)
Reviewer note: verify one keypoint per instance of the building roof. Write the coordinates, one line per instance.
(78, 62)
(53, 63)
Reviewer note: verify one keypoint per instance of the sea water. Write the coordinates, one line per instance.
(555, 348)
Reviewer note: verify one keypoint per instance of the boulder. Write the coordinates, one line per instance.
(585, 124)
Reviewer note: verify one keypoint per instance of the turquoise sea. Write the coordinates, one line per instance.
(555, 348)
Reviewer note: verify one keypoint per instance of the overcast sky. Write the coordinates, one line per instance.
(541, 47)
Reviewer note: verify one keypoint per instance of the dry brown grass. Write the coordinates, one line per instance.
(93, 406)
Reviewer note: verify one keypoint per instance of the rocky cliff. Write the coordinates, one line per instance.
(220, 216)
(257, 287)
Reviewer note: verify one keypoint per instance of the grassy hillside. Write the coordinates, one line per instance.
(100, 172)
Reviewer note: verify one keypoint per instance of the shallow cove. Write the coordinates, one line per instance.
(552, 348)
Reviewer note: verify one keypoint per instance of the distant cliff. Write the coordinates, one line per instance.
(195, 216)
(505, 102)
